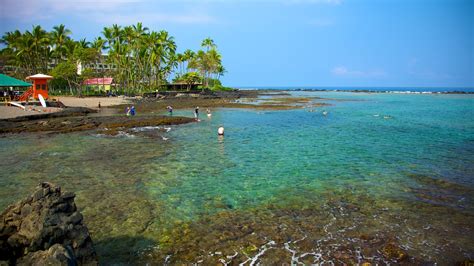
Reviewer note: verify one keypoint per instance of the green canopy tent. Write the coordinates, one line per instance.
(6, 81)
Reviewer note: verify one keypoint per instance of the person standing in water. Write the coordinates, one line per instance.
(196, 112)
(208, 112)
(132, 111)
(170, 109)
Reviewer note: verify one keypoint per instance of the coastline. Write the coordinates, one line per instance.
(81, 114)
(34, 109)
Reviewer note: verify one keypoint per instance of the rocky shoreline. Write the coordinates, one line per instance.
(108, 124)
(74, 119)
(45, 229)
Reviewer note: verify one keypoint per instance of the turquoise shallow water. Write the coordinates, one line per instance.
(377, 169)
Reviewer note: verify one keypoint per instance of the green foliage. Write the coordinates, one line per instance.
(65, 70)
(214, 83)
(58, 86)
(85, 55)
(208, 63)
(189, 78)
(143, 60)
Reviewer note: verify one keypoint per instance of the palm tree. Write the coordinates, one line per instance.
(83, 43)
(208, 43)
(179, 59)
(163, 54)
(24, 54)
(107, 32)
(117, 32)
(188, 56)
(220, 71)
(98, 44)
(59, 36)
(40, 44)
(214, 60)
(143, 59)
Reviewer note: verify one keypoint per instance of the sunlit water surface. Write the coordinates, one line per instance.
(378, 171)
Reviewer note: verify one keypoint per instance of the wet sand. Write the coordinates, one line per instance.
(12, 111)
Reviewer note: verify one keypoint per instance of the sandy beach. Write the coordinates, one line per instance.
(89, 102)
(12, 111)
(92, 102)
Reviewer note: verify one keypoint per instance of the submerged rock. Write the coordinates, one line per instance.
(45, 229)
(392, 251)
(73, 124)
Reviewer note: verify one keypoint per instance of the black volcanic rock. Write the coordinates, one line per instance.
(45, 229)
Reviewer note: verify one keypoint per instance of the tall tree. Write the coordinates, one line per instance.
(208, 43)
(142, 59)
(59, 36)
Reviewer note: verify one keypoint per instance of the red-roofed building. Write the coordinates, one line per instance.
(100, 84)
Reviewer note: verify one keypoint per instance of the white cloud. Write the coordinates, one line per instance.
(342, 71)
(104, 11)
(31, 10)
(145, 18)
(131, 11)
(329, 2)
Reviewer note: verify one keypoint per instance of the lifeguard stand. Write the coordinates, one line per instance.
(40, 85)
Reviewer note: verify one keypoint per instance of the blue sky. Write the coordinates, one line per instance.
(293, 42)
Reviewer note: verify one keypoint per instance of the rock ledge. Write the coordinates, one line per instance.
(45, 229)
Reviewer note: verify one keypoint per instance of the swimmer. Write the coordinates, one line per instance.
(220, 131)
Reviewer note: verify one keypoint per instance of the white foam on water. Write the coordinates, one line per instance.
(294, 258)
(125, 134)
(233, 256)
(229, 258)
(147, 128)
(262, 251)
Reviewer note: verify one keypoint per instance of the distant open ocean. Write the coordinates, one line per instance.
(371, 89)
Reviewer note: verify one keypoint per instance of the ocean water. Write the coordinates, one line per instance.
(379, 178)
(373, 89)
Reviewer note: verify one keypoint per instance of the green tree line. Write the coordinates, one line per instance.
(143, 60)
